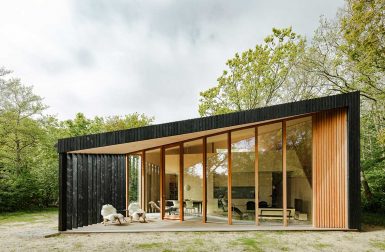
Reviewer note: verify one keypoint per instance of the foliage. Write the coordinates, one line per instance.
(265, 75)
(28, 158)
(377, 219)
(345, 54)
(81, 125)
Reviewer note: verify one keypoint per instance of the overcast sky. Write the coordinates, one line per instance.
(105, 57)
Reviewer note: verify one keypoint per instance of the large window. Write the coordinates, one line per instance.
(134, 174)
(152, 180)
(243, 175)
(217, 178)
(193, 179)
(270, 174)
(171, 183)
(299, 169)
(183, 176)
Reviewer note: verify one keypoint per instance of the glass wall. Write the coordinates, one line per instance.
(134, 174)
(243, 176)
(299, 170)
(193, 179)
(171, 183)
(243, 193)
(217, 178)
(152, 181)
(270, 192)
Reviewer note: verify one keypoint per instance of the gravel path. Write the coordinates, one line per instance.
(30, 236)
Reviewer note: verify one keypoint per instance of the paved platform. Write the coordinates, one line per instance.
(156, 225)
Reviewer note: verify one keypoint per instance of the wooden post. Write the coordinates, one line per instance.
(127, 184)
(256, 178)
(143, 196)
(314, 175)
(162, 176)
(181, 210)
(284, 180)
(204, 203)
(229, 180)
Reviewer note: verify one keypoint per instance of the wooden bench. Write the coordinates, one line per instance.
(275, 213)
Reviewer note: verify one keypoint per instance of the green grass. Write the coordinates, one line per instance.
(376, 219)
(320, 245)
(150, 245)
(378, 244)
(255, 243)
(28, 216)
(250, 244)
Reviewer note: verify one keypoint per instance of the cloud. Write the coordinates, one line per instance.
(104, 57)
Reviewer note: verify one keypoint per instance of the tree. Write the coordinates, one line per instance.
(20, 112)
(265, 75)
(81, 125)
(347, 54)
(129, 121)
(363, 30)
(28, 157)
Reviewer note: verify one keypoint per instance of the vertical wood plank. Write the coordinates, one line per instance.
(70, 187)
(127, 167)
(314, 175)
(90, 209)
(162, 183)
(181, 196)
(229, 181)
(75, 191)
(330, 169)
(143, 178)
(204, 208)
(256, 177)
(284, 178)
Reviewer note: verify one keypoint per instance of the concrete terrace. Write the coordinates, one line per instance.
(156, 225)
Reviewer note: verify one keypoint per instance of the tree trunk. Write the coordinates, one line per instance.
(365, 185)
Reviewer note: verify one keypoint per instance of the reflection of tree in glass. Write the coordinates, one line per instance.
(299, 139)
(243, 155)
(270, 141)
(217, 163)
(195, 170)
(134, 164)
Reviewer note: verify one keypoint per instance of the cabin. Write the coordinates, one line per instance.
(289, 165)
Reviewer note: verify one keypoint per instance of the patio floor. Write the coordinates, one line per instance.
(157, 225)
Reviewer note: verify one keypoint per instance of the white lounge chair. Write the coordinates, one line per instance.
(136, 213)
(109, 214)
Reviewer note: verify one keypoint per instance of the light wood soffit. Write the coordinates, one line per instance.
(157, 142)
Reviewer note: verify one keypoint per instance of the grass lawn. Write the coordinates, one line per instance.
(28, 216)
(26, 231)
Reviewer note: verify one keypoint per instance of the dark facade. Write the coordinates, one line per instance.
(89, 180)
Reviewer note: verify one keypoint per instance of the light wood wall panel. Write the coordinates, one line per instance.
(330, 169)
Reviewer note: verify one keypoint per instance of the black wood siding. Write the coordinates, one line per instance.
(86, 183)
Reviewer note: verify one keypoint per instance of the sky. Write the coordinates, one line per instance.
(115, 57)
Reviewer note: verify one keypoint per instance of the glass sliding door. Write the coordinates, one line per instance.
(270, 191)
(217, 179)
(193, 180)
(152, 180)
(243, 176)
(299, 170)
(134, 181)
(171, 182)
